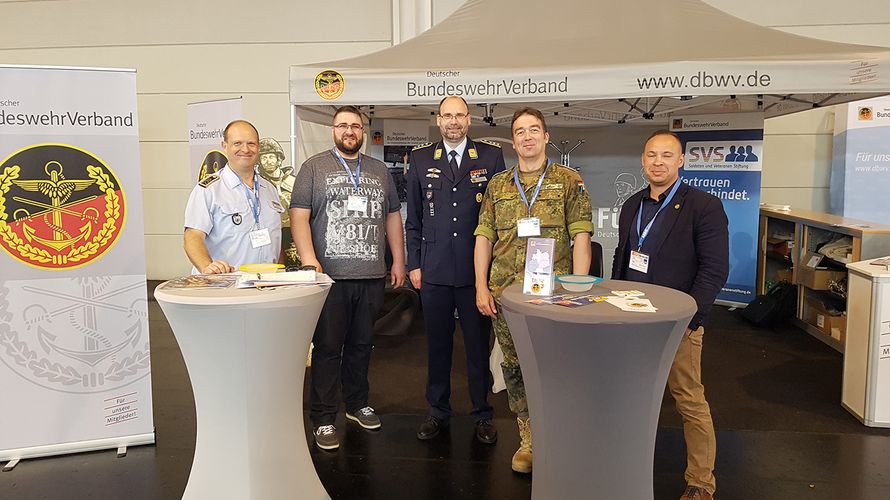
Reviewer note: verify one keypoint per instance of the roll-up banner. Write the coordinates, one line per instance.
(724, 154)
(860, 166)
(207, 121)
(74, 344)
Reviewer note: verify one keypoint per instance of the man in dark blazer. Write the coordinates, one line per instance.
(446, 181)
(676, 236)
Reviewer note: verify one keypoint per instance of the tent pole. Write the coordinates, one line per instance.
(293, 138)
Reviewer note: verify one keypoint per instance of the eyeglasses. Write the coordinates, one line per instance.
(448, 116)
(355, 127)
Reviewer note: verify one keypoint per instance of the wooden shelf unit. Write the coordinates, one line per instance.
(809, 230)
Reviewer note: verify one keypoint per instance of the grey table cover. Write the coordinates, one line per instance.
(594, 379)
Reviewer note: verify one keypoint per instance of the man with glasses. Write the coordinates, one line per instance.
(344, 209)
(446, 182)
(536, 198)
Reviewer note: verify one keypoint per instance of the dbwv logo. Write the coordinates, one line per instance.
(742, 155)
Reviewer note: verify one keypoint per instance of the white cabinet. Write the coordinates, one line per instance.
(866, 385)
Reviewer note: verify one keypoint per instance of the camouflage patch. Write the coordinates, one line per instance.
(510, 367)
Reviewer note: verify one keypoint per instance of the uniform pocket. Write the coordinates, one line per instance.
(508, 208)
(550, 207)
(236, 213)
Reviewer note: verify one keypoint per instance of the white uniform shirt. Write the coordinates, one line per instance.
(222, 209)
(459, 150)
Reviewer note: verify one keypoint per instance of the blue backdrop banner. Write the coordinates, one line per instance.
(724, 154)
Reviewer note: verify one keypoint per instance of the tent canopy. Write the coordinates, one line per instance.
(597, 62)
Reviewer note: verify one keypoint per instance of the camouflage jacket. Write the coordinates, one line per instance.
(563, 206)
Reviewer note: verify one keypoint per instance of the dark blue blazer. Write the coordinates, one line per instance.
(443, 211)
(690, 251)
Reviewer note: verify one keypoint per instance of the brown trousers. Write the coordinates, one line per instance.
(684, 382)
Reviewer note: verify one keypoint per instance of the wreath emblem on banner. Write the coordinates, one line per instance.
(76, 335)
(61, 207)
(329, 84)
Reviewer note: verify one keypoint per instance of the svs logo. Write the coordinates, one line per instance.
(742, 155)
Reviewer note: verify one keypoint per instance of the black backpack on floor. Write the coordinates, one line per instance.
(774, 307)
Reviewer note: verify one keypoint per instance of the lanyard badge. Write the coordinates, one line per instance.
(529, 226)
(354, 202)
(639, 261)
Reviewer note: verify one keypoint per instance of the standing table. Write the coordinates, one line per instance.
(594, 379)
(245, 351)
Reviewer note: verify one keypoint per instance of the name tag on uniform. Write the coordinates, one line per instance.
(357, 203)
(528, 226)
(260, 238)
(639, 261)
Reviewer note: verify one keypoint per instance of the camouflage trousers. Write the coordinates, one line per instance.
(510, 366)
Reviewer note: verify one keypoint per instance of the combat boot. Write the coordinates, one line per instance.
(522, 459)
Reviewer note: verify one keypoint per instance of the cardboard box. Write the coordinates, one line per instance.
(834, 326)
(817, 279)
(812, 260)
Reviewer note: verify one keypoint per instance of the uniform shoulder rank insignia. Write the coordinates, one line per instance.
(490, 143)
(207, 181)
(421, 146)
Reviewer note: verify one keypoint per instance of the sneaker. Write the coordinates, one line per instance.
(326, 437)
(365, 418)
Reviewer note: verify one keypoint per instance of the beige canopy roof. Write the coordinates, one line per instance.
(596, 62)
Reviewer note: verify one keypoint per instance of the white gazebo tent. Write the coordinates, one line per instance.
(592, 63)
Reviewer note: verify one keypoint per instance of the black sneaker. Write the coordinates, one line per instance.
(326, 437)
(365, 418)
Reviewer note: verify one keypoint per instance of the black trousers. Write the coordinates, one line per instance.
(439, 302)
(343, 340)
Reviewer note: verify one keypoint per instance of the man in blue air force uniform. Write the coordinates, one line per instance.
(446, 181)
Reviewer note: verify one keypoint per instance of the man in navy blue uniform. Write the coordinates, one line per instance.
(446, 181)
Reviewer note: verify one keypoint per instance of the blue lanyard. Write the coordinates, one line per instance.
(255, 206)
(358, 169)
(665, 203)
(537, 189)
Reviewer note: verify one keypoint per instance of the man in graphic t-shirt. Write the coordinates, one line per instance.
(344, 209)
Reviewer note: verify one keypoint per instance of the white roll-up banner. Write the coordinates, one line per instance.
(74, 344)
(207, 121)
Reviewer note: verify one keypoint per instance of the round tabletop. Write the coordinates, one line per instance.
(232, 296)
(671, 304)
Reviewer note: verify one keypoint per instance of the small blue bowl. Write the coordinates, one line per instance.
(578, 282)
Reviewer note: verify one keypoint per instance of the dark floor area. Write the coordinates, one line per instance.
(774, 394)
